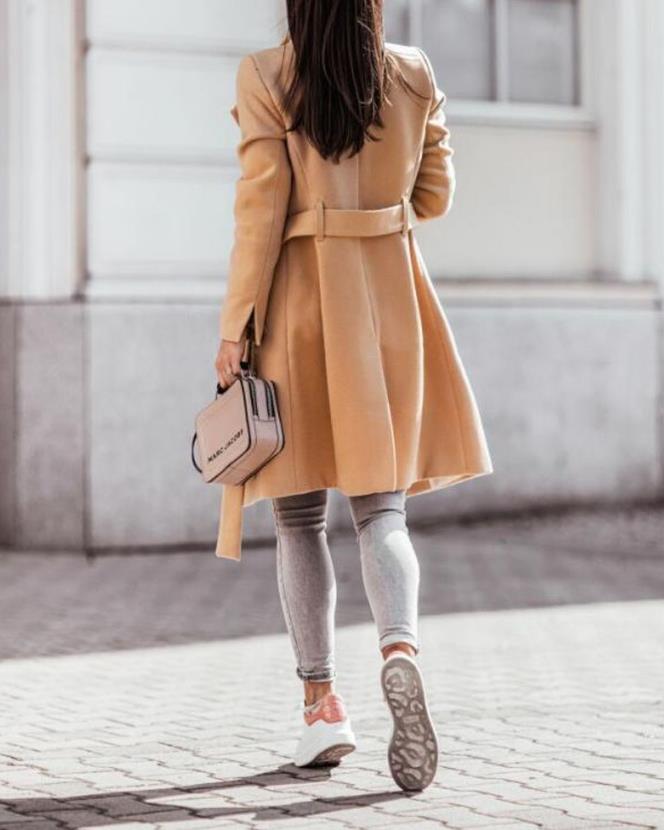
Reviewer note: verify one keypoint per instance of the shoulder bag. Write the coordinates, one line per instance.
(240, 431)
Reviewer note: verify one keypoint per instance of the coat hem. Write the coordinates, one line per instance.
(424, 484)
(229, 537)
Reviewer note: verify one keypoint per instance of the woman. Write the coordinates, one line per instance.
(343, 147)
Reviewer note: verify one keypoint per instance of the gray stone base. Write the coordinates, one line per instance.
(43, 432)
(98, 400)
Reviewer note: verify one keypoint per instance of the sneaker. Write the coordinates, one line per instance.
(327, 734)
(413, 750)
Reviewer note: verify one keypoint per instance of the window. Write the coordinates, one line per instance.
(512, 51)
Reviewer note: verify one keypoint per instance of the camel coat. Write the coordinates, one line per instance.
(372, 392)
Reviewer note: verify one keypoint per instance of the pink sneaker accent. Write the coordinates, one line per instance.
(330, 709)
(327, 735)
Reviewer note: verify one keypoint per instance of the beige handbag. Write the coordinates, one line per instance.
(240, 431)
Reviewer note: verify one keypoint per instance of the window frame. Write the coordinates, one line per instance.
(502, 111)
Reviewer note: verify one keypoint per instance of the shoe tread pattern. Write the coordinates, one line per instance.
(413, 748)
(331, 756)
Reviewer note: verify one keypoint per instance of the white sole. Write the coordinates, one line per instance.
(413, 750)
(327, 747)
(329, 757)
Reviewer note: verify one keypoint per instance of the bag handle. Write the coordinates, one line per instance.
(248, 366)
(248, 362)
(193, 455)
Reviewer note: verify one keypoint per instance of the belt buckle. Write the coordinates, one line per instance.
(405, 216)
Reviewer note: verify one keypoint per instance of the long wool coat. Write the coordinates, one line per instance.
(372, 392)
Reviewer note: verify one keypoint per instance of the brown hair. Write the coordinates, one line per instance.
(341, 73)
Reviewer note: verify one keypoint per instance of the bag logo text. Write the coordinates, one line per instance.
(228, 443)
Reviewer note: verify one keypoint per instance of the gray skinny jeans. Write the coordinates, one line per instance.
(307, 585)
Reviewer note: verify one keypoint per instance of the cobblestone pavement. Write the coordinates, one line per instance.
(157, 691)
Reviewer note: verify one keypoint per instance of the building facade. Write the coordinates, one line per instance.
(117, 171)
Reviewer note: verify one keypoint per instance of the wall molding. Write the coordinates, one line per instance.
(507, 114)
(201, 285)
(653, 138)
(195, 47)
(194, 286)
(4, 150)
(589, 293)
(629, 73)
(107, 154)
(44, 149)
(158, 272)
(122, 52)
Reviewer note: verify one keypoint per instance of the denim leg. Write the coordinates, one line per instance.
(390, 569)
(307, 585)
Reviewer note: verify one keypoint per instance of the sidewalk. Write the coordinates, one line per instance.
(151, 691)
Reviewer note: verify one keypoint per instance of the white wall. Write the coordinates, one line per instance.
(161, 143)
(39, 98)
(531, 202)
(161, 174)
(525, 205)
(4, 152)
(193, 24)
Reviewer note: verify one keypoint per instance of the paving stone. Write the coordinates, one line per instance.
(150, 692)
(640, 817)
(11, 817)
(33, 824)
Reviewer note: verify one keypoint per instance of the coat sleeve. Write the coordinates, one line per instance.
(261, 199)
(435, 182)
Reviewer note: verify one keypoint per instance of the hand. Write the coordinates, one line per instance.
(227, 363)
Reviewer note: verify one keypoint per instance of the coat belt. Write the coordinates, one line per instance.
(229, 537)
(321, 221)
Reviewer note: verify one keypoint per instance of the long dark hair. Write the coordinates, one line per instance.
(341, 73)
